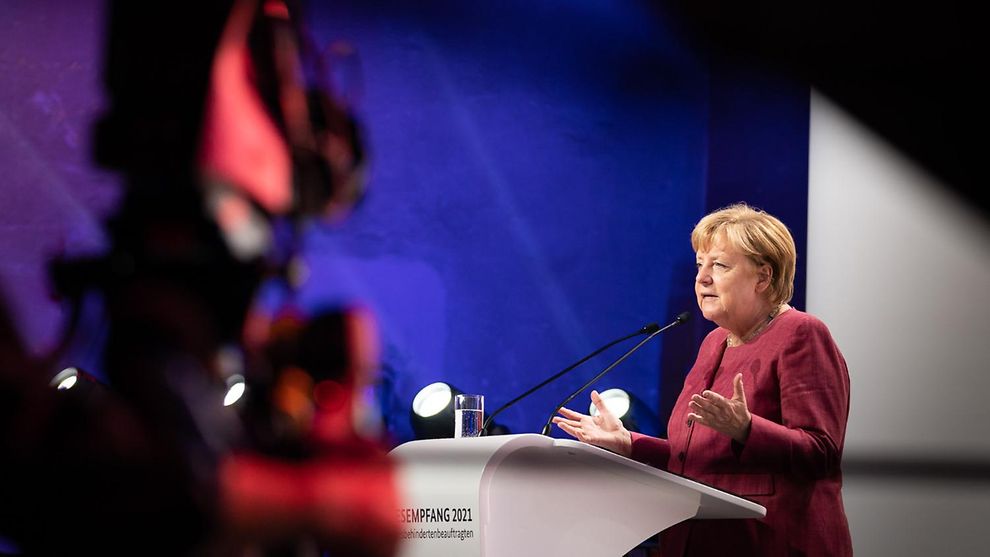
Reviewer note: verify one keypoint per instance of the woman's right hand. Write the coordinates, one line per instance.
(603, 430)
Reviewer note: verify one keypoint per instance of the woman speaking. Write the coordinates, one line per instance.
(763, 410)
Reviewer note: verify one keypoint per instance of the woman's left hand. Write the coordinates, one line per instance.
(726, 415)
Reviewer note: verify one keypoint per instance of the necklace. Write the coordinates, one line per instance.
(732, 341)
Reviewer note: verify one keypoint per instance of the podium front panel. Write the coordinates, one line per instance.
(534, 495)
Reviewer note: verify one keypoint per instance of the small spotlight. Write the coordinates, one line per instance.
(235, 389)
(433, 411)
(630, 410)
(69, 378)
(432, 399)
(616, 400)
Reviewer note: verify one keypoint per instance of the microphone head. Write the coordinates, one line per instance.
(649, 329)
(683, 318)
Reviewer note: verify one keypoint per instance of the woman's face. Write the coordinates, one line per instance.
(731, 289)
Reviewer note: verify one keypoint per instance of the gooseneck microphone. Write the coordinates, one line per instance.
(650, 329)
(683, 317)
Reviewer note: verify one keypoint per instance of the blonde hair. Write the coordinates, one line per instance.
(757, 234)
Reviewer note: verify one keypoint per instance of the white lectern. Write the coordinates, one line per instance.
(532, 495)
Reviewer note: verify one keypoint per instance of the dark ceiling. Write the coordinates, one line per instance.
(911, 72)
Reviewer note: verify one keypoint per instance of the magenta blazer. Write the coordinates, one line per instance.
(797, 388)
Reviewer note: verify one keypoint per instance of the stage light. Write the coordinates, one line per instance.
(432, 413)
(66, 379)
(235, 389)
(432, 399)
(72, 377)
(620, 403)
(616, 400)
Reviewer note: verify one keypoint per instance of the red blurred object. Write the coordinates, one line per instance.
(326, 479)
(242, 146)
(346, 500)
(290, 149)
(207, 107)
(322, 367)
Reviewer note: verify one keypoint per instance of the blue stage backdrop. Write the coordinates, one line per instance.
(536, 169)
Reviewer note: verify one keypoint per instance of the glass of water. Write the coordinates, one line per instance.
(469, 415)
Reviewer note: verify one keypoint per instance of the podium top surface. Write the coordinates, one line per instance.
(714, 503)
